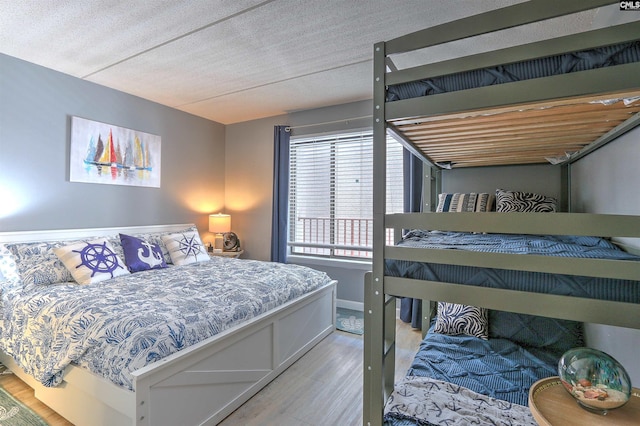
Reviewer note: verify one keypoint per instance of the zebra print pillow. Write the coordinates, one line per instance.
(454, 319)
(514, 201)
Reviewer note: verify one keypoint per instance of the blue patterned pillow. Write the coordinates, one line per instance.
(515, 201)
(92, 261)
(185, 247)
(141, 255)
(8, 267)
(38, 264)
(537, 332)
(454, 319)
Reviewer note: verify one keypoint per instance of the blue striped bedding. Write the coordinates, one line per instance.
(539, 282)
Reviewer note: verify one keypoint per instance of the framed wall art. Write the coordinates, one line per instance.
(113, 155)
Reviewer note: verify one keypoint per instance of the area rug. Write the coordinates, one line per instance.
(15, 413)
(350, 321)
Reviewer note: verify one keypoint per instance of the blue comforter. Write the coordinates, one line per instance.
(540, 282)
(546, 245)
(496, 367)
(120, 325)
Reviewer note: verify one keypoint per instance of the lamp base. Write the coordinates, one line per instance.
(218, 243)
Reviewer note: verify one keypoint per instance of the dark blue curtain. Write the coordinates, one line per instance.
(281, 136)
(411, 309)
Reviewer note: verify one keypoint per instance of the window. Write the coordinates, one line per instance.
(331, 194)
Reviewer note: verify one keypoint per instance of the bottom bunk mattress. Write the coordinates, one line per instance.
(458, 379)
(120, 325)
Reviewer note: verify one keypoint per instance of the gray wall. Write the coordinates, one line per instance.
(607, 181)
(36, 105)
(541, 179)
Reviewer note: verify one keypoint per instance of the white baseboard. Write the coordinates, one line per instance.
(350, 304)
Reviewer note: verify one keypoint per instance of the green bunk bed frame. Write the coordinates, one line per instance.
(381, 291)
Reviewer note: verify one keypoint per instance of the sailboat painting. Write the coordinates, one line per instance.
(104, 153)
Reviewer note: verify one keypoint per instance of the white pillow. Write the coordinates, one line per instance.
(92, 261)
(185, 247)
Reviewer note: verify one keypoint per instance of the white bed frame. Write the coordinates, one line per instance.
(199, 385)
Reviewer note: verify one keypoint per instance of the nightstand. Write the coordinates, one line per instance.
(234, 254)
(551, 405)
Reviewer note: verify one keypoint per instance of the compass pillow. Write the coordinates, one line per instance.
(91, 261)
(141, 255)
(185, 247)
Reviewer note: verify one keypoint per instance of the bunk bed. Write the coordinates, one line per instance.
(543, 118)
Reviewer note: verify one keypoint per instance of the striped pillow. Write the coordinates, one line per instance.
(470, 202)
(454, 319)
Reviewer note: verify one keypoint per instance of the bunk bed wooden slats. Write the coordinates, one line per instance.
(531, 133)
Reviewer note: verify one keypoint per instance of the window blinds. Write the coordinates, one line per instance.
(331, 193)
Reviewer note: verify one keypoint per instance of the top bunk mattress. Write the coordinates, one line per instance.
(539, 282)
(542, 67)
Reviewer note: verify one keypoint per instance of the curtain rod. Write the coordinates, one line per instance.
(288, 128)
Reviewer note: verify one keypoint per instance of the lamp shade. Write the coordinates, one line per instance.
(219, 223)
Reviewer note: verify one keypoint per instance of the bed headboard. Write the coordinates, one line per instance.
(75, 234)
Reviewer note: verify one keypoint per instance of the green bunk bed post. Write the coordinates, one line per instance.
(378, 374)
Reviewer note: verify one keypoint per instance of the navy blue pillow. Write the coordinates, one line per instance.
(538, 332)
(141, 255)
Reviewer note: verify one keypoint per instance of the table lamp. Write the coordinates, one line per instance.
(218, 225)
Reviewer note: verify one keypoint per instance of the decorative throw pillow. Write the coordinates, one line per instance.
(8, 266)
(454, 319)
(515, 201)
(470, 202)
(185, 247)
(156, 238)
(537, 332)
(38, 264)
(92, 261)
(141, 255)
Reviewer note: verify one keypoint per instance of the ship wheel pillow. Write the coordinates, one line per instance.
(91, 261)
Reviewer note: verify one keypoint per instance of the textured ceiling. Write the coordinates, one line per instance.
(237, 60)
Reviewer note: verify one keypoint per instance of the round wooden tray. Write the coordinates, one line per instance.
(551, 405)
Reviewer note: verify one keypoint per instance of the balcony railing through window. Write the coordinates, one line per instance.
(335, 237)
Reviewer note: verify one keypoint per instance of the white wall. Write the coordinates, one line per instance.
(607, 181)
